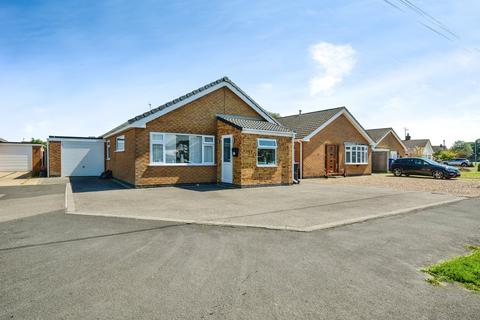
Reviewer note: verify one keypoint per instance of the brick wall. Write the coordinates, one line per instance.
(245, 170)
(122, 163)
(55, 158)
(37, 156)
(338, 132)
(390, 142)
(197, 117)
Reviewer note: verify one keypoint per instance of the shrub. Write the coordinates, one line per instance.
(478, 167)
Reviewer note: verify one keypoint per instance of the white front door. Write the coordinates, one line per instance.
(227, 162)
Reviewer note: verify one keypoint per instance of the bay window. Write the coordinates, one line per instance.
(181, 149)
(266, 152)
(356, 154)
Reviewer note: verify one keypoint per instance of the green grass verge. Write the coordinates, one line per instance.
(464, 270)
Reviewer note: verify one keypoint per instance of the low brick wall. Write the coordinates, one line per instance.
(55, 158)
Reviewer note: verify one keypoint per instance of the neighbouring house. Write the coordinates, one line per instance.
(330, 142)
(418, 147)
(21, 156)
(439, 148)
(387, 148)
(215, 134)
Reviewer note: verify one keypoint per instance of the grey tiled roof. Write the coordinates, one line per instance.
(252, 123)
(415, 143)
(305, 123)
(377, 134)
(186, 96)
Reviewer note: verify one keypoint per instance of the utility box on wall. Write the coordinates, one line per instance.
(235, 152)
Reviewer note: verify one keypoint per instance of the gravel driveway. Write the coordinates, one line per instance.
(464, 187)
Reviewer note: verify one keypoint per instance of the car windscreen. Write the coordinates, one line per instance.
(431, 161)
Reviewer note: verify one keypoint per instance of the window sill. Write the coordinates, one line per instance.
(181, 164)
(119, 150)
(267, 166)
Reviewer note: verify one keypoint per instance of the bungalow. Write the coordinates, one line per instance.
(418, 148)
(330, 142)
(388, 147)
(215, 134)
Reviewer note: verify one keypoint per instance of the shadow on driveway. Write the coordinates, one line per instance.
(93, 184)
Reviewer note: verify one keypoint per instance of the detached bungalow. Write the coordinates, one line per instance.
(330, 142)
(419, 148)
(388, 147)
(215, 134)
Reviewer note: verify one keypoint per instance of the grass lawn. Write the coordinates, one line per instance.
(472, 173)
(464, 270)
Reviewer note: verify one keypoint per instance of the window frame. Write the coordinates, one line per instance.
(361, 154)
(163, 163)
(259, 147)
(121, 137)
(107, 151)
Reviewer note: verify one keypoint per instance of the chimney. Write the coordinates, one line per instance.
(299, 111)
(407, 137)
(444, 145)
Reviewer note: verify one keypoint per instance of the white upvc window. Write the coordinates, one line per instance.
(266, 153)
(181, 149)
(108, 149)
(120, 144)
(356, 154)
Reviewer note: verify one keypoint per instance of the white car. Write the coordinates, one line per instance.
(460, 162)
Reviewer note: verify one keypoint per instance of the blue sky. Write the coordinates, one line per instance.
(83, 67)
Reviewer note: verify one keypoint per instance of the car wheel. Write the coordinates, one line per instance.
(397, 172)
(464, 164)
(437, 174)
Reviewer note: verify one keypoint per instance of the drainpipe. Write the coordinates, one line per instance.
(301, 159)
(293, 160)
(48, 158)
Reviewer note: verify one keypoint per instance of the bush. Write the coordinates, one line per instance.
(478, 167)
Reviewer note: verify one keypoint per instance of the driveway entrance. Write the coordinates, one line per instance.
(309, 206)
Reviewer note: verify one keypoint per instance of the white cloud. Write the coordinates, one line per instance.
(335, 61)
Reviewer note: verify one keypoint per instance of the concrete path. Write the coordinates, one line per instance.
(305, 207)
(57, 266)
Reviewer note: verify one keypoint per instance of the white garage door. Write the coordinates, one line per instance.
(82, 158)
(15, 157)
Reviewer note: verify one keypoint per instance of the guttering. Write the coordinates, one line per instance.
(269, 133)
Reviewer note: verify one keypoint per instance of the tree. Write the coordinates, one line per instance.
(274, 115)
(38, 141)
(445, 155)
(462, 149)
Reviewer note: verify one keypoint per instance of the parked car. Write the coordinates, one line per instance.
(423, 167)
(458, 162)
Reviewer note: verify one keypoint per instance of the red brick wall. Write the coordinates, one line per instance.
(245, 170)
(338, 132)
(122, 164)
(55, 158)
(37, 155)
(390, 142)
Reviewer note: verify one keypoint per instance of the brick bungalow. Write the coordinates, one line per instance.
(330, 142)
(388, 147)
(215, 134)
(418, 147)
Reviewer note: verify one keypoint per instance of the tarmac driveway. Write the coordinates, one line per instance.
(312, 205)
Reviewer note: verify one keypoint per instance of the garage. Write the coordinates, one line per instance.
(75, 156)
(16, 156)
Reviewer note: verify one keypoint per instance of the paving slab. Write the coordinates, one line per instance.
(305, 207)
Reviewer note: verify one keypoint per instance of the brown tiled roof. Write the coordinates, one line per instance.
(242, 122)
(377, 134)
(305, 123)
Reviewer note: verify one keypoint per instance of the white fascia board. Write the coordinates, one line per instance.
(269, 133)
(142, 123)
(380, 149)
(396, 137)
(352, 121)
